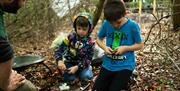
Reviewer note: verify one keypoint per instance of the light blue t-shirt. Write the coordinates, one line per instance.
(130, 35)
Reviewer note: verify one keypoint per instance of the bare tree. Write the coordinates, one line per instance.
(176, 16)
(97, 12)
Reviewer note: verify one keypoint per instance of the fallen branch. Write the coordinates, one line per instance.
(172, 60)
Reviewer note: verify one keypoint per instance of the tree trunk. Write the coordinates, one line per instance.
(154, 6)
(49, 14)
(97, 12)
(176, 16)
(140, 10)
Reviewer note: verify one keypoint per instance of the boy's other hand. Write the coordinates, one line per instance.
(16, 80)
(108, 50)
(73, 69)
(61, 65)
(120, 49)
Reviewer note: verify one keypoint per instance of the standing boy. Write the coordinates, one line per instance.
(123, 37)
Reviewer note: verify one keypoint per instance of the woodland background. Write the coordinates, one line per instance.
(37, 24)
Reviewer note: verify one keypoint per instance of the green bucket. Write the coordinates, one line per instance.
(21, 61)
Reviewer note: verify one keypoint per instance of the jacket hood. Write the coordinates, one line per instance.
(87, 16)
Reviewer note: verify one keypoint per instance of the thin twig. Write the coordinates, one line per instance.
(167, 16)
(172, 60)
(154, 26)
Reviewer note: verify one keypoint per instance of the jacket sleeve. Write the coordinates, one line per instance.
(61, 49)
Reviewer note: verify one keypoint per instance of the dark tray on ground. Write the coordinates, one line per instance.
(21, 61)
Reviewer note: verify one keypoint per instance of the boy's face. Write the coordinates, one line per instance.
(117, 24)
(82, 31)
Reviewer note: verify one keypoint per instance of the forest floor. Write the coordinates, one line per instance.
(155, 70)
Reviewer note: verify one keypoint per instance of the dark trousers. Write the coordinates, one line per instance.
(1, 89)
(112, 80)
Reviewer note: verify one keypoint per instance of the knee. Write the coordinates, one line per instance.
(69, 77)
(87, 75)
(27, 86)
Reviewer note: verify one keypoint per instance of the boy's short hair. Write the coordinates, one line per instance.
(114, 10)
(82, 21)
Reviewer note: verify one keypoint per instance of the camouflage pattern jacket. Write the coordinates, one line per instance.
(76, 50)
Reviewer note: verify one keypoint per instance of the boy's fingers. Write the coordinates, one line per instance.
(20, 83)
(59, 67)
(63, 67)
(117, 53)
(111, 49)
(69, 70)
(23, 81)
(16, 80)
(109, 52)
(22, 78)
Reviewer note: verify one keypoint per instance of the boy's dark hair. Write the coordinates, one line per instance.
(82, 21)
(114, 10)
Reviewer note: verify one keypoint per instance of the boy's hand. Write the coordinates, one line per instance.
(73, 69)
(16, 80)
(121, 49)
(61, 65)
(108, 50)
